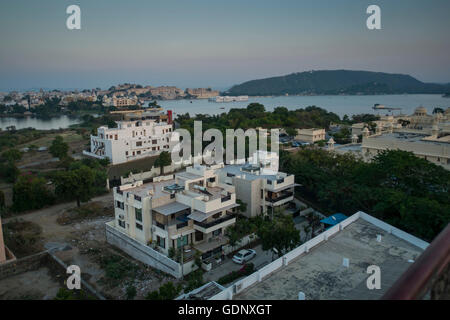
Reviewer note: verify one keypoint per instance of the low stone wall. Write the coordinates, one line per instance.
(36, 261)
(14, 267)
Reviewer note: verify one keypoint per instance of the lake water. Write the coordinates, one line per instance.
(38, 123)
(338, 104)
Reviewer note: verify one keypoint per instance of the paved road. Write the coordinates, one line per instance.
(262, 258)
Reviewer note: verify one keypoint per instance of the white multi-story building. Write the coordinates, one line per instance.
(259, 184)
(131, 140)
(310, 135)
(188, 209)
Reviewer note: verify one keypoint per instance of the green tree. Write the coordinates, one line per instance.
(30, 192)
(76, 184)
(59, 148)
(12, 155)
(242, 206)
(279, 235)
(291, 132)
(164, 159)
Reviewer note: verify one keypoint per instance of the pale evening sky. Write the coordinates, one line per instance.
(193, 43)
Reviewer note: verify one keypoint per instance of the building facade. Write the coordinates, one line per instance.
(259, 184)
(189, 209)
(131, 140)
(434, 148)
(310, 135)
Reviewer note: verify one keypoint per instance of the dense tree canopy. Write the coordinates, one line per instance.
(30, 192)
(397, 187)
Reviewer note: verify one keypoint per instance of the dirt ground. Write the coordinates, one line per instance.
(37, 284)
(83, 243)
(43, 160)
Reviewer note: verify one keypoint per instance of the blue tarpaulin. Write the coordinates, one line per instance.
(334, 219)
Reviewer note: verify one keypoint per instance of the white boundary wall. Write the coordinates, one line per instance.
(142, 252)
(259, 275)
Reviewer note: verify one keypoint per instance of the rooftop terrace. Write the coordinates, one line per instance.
(320, 273)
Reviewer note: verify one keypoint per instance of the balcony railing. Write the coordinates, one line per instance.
(207, 225)
(226, 198)
(160, 225)
(280, 197)
(429, 274)
(182, 224)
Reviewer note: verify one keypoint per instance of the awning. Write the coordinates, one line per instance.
(334, 219)
(201, 216)
(171, 208)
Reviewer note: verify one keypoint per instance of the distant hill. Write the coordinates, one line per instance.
(337, 82)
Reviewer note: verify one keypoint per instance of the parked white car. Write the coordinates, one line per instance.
(244, 255)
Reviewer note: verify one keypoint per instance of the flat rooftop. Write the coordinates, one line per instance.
(321, 275)
(408, 137)
(236, 170)
(157, 187)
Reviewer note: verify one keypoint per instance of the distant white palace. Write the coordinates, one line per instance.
(133, 138)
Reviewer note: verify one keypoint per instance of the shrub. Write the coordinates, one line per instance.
(246, 270)
(167, 291)
(131, 292)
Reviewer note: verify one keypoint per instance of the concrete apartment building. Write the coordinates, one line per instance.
(310, 135)
(259, 184)
(190, 209)
(132, 139)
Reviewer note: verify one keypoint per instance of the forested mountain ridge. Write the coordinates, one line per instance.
(337, 82)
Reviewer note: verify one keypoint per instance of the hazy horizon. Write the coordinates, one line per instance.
(215, 44)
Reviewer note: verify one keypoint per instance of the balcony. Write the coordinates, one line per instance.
(282, 196)
(226, 198)
(159, 225)
(208, 225)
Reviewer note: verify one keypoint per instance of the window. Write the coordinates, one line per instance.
(154, 141)
(217, 232)
(139, 144)
(119, 205)
(182, 241)
(161, 241)
(269, 181)
(122, 223)
(138, 226)
(138, 213)
(126, 153)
